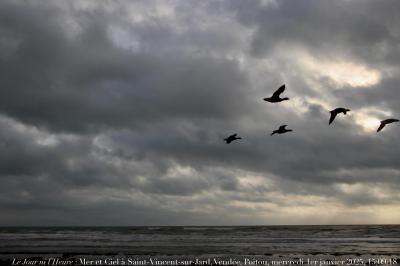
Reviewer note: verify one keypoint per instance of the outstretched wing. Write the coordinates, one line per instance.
(391, 120)
(333, 115)
(382, 125)
(282, 127)
(279, 91)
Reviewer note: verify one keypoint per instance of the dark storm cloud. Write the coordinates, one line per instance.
(25, 154)
(327, 28)
(88, 82)
(121, 107)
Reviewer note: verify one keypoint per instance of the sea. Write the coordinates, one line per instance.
(202, 245)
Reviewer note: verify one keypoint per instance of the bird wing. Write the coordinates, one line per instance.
(282, 127)
(382, 125)
(391, 120)
(333, 115)
(279, 91)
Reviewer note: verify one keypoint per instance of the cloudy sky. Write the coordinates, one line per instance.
(114, 112)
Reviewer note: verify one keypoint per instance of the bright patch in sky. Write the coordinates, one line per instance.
(351, 74)
(342, 72)
(368, 123)
(369, 119)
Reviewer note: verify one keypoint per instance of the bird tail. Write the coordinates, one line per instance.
(272, 133)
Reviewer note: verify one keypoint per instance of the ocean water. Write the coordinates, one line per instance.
(230, 245)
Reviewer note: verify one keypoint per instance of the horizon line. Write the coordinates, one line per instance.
(259, 225)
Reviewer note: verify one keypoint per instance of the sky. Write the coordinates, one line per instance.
(114, 112)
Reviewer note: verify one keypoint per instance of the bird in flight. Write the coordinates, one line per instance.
(275, 98)
(337, 111)
(385, 122)
(281, 130)
(231, 138)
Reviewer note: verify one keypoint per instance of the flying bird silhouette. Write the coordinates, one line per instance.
(231, 138)
(275, 98)
(385, 122)
(282, 129)
(337, 111)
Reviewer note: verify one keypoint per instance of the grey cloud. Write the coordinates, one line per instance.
(326, 28)
(128, 116)
(88, 82)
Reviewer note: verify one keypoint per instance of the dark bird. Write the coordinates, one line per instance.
(281, 130)
(275, 97)
(231, 138)
(385, 122)
(337, 111)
